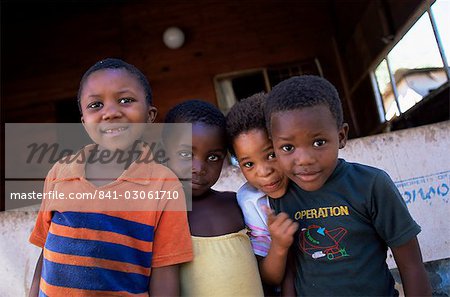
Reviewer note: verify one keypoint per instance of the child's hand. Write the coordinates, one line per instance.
(281, 228)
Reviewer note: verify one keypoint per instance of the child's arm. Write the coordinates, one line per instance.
(282, 229)
(288, 284)
(165, 281)
(412, 271)
(34, 290)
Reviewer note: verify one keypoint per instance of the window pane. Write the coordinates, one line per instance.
(440, 10)
(385, 88)
(416, 64)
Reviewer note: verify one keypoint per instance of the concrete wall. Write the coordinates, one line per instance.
(416, 159)
(17, 256)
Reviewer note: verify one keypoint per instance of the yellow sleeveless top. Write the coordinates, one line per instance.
(223, 266)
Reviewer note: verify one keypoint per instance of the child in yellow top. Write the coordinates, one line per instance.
(224, 264)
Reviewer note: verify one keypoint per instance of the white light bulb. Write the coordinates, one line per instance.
(173, 37)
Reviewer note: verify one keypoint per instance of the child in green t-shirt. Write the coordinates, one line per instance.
(348, 213)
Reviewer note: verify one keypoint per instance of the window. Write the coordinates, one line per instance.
(231, 87)
(416, 65)
(234, 86)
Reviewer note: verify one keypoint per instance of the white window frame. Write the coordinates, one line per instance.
(426, 8)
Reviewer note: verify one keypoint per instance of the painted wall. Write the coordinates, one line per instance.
(17, 256)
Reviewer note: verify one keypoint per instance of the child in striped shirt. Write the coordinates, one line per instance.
(112, 247)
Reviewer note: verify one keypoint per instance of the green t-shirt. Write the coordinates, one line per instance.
(345, 229)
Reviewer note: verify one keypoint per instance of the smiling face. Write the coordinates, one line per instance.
(306, 143)
(203, 154)
(258, 163)
(111, 100)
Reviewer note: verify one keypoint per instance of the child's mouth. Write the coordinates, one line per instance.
(197, 183)
(272, 186)
(113, 131)
(307, 176)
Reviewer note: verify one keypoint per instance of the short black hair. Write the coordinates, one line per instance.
(196, 111)
(245, 115)
(303, 91)
(113, 63)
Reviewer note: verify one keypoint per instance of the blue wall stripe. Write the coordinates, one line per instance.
(97, 249)
(92, 278)
(103, 222)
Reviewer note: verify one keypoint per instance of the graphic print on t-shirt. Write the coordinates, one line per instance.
(320, 242)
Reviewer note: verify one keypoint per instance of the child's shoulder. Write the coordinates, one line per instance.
(223, 195)
(363, 174)
(66, 167)
(248, 188)
(225, 199)
(159, 170)
(248, 192)
(71, 166)
(226, 202)
(361, 169)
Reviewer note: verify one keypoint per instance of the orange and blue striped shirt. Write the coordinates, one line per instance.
(98, 253)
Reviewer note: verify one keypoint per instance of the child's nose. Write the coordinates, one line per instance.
(198, 167)
(264, 171)
(303, 157)
(111, 112)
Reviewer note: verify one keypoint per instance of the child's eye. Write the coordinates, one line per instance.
(213, 158)
(187, 155)
(271, 156)
(287, 148)
(126, 100)
(94, 105)
(319, 143)
(248, 164)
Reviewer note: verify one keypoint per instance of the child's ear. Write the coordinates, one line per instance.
(83, 123)
(343, 133)
(152, 112)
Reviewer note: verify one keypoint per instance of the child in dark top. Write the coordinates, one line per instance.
(88, 248)
(224, 264)
(271, 236)
(348, 213)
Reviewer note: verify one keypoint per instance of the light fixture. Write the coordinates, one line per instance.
(173, 37)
